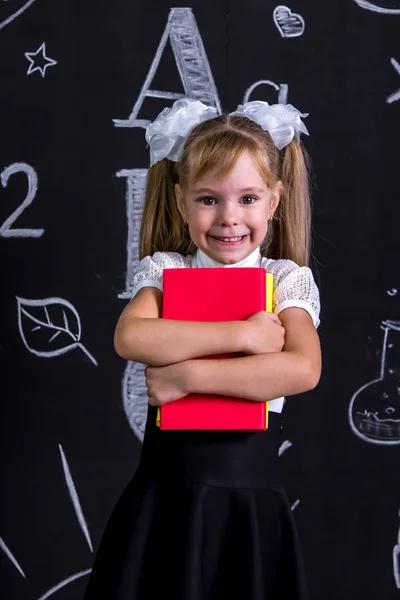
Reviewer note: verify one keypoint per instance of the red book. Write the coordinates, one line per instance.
(215, 294)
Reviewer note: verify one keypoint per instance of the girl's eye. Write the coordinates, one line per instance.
(208, 201)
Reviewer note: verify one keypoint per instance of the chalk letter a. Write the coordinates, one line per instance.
(191, 61)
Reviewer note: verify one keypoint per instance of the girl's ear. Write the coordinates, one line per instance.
(179, 199)
(276, 196)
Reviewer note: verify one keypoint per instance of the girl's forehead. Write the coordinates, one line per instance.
(243, 176)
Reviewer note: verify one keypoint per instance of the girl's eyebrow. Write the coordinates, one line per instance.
(242, 191)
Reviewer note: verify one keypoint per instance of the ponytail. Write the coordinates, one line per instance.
(162, 228)
(289, 234)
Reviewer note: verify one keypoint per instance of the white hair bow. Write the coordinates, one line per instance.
(167, 134)
(282, 121)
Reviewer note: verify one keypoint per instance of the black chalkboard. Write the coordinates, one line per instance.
(79, 81)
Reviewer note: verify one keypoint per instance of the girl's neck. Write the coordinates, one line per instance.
(201, 259)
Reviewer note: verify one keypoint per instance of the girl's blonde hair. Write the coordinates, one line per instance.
(217, 144)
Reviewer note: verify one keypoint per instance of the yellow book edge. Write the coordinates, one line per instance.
(269, 282)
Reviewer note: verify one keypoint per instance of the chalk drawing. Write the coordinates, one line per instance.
(135, 192)
(374, 410)
(282, 90)
(74, 498)
(284, 446)
(12, 558)
(63, 583)
(396, 569)
(288, 24)
(191, 61)
(134, 395)
(16, 14)
(391, 9)
(5, 229)
(396, 95)
(396, 558)
(39, 61)
(42, 322)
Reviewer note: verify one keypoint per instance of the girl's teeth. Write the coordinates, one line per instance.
(226, 239)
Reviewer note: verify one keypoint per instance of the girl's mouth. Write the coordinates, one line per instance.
(230, 241)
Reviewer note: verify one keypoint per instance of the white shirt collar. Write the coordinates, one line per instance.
(200, 259)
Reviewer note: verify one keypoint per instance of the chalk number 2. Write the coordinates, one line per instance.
(5, 228)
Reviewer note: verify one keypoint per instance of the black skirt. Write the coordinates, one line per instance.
(204, 518)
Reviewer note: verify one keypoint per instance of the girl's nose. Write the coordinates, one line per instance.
(229, 215)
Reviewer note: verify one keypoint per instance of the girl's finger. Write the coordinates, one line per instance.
(274, 318)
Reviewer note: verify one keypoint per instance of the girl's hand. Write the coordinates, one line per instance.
(165, 384)
(264, 333)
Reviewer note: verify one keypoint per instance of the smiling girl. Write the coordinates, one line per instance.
(206, 516)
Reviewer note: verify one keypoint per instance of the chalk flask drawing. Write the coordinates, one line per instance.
(374, 410)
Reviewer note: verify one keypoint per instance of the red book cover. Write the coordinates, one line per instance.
(214, 294)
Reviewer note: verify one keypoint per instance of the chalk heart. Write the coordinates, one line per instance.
(289, 24)
(9, 10)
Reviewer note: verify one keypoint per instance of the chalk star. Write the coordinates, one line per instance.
(37, 58)
(396, 95)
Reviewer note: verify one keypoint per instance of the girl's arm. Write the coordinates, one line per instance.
(143, 336)
(263, 377)
(260, 377)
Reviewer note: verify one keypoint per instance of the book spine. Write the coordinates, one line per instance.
(270, 291)
(269, 282)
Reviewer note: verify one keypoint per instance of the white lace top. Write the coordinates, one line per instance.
(293, 285)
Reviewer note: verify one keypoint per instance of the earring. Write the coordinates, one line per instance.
(270, 218)
(184, 220)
